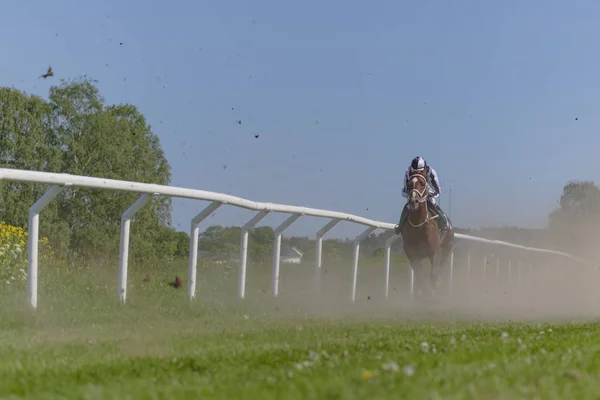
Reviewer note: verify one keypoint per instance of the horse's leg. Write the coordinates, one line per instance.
(435, 256)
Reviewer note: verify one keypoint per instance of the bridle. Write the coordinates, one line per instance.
(421, 198)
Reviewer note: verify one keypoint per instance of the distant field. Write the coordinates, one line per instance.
(81, 344)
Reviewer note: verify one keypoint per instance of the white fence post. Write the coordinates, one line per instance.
(530, 275)
(355, 253)
(519, 265)
(277, 251)
(194, 234)
(244, 250)
(411, 271)
(319, 240)
(485, 262)
(451, 286)
(32, 245)
(387, 254)
(124, 245)
(468, 267)
(497, 271)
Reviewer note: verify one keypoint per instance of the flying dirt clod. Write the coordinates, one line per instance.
(177, 283)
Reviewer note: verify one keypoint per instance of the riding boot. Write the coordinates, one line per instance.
(444, 222)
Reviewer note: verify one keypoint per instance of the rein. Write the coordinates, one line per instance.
(422, 198)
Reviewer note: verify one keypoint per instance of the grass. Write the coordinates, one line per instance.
(80, 344)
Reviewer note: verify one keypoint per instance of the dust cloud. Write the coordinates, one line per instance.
(546, 288)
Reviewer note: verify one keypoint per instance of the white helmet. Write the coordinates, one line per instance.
(418, 163)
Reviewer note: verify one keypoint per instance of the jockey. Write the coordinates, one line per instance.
(419, 163)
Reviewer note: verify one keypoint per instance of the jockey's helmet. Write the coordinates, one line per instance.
(418, 163)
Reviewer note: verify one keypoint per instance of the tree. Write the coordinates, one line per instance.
(182, 244)
(74, 132)
(577, 216)
(29, 141)
(579, 201)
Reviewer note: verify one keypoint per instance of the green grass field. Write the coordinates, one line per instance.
(80, 344)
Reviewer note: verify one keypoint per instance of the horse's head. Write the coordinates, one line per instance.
(417, 188)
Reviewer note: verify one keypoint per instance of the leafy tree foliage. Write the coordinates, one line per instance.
(579, 202)
(76, 132)
(224, 242)
(577, 217)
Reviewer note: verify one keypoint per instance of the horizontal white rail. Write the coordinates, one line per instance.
(59, 180)
(172, 191)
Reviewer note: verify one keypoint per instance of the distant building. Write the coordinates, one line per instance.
(290, 255)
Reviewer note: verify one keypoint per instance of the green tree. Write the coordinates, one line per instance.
(182, 242)
(577, 216)
(378, 252)
(579, 201)
(28, 140)
(74, 132)
(220, 241)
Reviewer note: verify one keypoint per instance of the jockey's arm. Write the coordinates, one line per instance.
(435, 184)
(404, 191)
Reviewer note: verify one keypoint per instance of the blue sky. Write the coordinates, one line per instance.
(343, 95)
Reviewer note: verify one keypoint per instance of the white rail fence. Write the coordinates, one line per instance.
(147, 191)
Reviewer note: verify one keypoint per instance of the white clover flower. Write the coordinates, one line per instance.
(409, 370)
(392, 366)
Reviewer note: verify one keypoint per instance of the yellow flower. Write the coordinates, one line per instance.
(366, 375)
(13, 253)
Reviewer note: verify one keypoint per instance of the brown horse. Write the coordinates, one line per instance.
(421, 235)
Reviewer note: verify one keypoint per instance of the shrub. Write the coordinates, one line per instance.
(13, 253)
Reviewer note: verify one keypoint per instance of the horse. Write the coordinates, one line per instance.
(421, 235)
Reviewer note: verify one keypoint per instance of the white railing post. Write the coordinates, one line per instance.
(32, 245)
(451, 288)
(485, 262)
(497, 271)
(468, 267)
(355, 253)
(319, 240)
(387, 254)
(530, 275)
(519, 265)
(277, 251)
(411, 270)
(244, 250)
(194, 235)
(124, 245)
